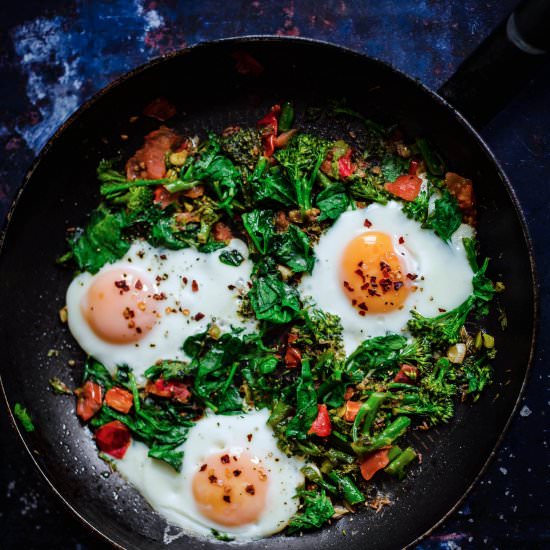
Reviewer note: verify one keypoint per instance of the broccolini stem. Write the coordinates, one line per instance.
(280, 411)
(313, 475)
(286, 118)
(349, 490)
(367, 414)
(108, 189)
(397, 466)
(385, 438)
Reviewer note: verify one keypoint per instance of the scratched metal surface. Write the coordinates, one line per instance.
(55, 54)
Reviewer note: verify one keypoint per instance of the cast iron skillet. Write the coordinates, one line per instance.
(210, 93)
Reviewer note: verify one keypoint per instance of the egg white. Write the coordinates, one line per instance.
(217, 298)
(444, 274)
(170, 493)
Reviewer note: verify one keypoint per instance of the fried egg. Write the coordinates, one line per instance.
(141, 308)
(375, 265)
(233, 479)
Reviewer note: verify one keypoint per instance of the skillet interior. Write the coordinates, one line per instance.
(206, 87)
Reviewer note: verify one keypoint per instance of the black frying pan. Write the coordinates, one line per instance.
(210, 93)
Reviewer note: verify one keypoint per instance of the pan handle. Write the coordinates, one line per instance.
(503, 64)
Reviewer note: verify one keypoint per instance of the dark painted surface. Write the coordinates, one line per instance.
(54, 55)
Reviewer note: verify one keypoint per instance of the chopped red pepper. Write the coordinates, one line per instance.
(373, 462)
(348, 394)
(293, 357)
(407, 374)
(163, 197)
(221, 232)
(113, 438)
(345, 166)
(119, 399)
(321, 425)
(90, 398)
(352, 408)
(269, 125)
(194, 193)
(171, 389)
(405, 187)
(413, 167)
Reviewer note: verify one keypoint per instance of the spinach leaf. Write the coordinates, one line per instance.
(332, 201)
(259, 225)
(306, 405)
(317, 510)
(268, 185)
(164, 234)
(24, 417)
(231, 257)
(102, 241)
(446, 217)
(169, 370)
(273, 300)
(293, 249)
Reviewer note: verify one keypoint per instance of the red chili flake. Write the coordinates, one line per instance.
(199, 316)
(237, 473)
(160, 296)
(250, 489)
(235, 458)
(139, 284)
(225, 459)
(227, 498)
(441, 310)
(401, 240)
(231, 287)
(249, 437)
(212, 478)
(397, 285)
(162, 256)
(412, 276)
(194, 286)
(203, 467)
(184, 280)
(362, 313)
(384, 266)
(360, 273)
(354, 302)
(385, 284)
(138, 330)
(363, 306)
(367, 223)
(123, 285)
(372, 292)
(347, 286)
(128, 313)
(365, 286)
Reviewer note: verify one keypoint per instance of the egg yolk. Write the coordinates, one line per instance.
(120, 306)
(231, 490)
(372, 274)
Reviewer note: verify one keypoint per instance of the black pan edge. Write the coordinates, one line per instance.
(251, 39)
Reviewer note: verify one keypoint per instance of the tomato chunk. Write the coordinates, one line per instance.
(321, 425)
(269, 126)
(221, 232)
(462, 189)
(405, 187)
(171, 389)
(352, 408)
(345, 166)
(89, 400)
(113, 438)
(373, 462)
(119, 399)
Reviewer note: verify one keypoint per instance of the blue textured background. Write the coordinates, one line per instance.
(56, 54)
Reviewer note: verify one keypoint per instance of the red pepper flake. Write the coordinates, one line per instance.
(231, 287)
(412, 276)
(360, 273)
(385, 284)
(250, 489)
(347, 286)
(159, 297)
(122, 285)
(138, 285)
(354, 302)
(367, 223)
(128, 313)
(237, 473)
(363, 306)
(194, 286)
(362, 313)
(225, 459)
(212, 478)
(397, 285)
(199, 316)
(184, 280)
(401, 240)
(162, 256)
(203, 467)
(227, 498)
(373, 292)
(364, 287)
(249, 437)
(441, 310)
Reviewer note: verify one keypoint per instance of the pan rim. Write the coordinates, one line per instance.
(256, 38)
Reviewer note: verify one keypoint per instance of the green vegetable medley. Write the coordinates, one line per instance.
(279, 189)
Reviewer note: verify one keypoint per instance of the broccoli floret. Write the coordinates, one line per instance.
(322, 328)
(417, 352)
(243, 145)
(301, 160)
(443, 329)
